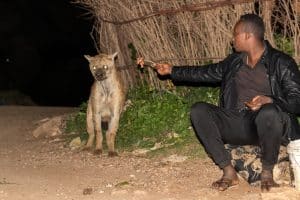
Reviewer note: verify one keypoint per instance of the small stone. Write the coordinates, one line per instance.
(122, 184)
(175, 158)
(140, 151)
(132, 176)
(156, 146)
(75, 143)
(87, 191)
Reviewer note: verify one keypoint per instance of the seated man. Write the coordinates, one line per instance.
(259, 98)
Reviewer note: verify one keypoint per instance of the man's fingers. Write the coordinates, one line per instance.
(250, 104)
(255, 98)
(159, 66)
(140, 61)
(253, 105)
(256, 107)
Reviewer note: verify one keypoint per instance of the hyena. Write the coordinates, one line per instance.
(105, 103)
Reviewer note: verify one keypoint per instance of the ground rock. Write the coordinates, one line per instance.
(75, 143)
(175, 158)
(49, 127)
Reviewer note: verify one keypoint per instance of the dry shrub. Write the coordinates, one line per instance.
(181, 38)
(286, 16)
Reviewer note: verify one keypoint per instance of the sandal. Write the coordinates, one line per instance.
(224, 184)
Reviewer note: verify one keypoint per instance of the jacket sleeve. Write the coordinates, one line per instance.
(290, 87)
(211, 73)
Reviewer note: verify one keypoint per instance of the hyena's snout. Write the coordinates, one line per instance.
(100, 75)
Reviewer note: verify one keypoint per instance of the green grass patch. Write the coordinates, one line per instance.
(285, 44)
(76, 124)
(155, 118)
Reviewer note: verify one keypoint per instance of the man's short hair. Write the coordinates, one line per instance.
(252, 23)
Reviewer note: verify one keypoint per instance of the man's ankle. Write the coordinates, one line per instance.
(267, 174)
(229, 172)
(267, 167)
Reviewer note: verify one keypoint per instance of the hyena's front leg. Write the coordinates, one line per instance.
(90, 127)
(111, 134)
(93, 121)
(99, 136)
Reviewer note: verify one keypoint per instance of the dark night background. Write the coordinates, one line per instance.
(42, 44)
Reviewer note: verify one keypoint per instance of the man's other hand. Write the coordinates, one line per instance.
(256, 103)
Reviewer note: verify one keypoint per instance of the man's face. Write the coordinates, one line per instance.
(239, 37)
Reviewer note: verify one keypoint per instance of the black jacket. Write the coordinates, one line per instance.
(282, 70)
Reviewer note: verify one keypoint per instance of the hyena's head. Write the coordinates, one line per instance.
(102, 65)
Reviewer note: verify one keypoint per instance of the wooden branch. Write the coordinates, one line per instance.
(187, 8)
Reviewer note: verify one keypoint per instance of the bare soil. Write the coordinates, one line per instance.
(34, 169)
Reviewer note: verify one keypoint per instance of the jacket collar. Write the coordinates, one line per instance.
(268, 56)
(268, 52)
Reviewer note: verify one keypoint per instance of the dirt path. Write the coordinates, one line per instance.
(34, 169)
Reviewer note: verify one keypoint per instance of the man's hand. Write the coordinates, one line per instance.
(140, 61)
(256, 103)
(163, 68)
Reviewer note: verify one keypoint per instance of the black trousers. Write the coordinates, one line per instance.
(216, 126)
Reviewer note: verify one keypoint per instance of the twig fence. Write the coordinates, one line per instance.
(183, 32)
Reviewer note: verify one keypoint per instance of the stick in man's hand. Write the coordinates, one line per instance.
(142, 62)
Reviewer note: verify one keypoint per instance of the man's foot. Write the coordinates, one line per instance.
(224, 183)
(267, 181)
(228, 180)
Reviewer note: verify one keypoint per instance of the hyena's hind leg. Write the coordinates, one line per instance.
(90, 128)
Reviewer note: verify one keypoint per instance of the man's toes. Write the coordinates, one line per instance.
(265, 188)
(221, 186)
(267, 185)
(215, 184)
(224, 184)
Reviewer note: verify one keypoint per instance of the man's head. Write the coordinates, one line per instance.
(252, 23)
(248, 26)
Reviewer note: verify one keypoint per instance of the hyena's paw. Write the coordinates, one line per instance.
(98, 152)
(112, 154)
(86, 148)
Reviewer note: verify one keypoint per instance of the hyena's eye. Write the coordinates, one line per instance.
(105, 66)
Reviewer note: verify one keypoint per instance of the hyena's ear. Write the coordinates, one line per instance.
(113, 56)
(89, 58)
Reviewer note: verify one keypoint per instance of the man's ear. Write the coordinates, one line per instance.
(89, 58)
(248, 35)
